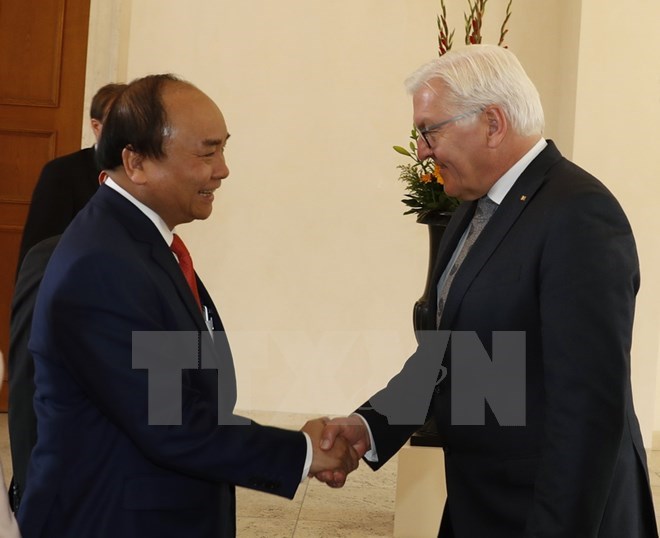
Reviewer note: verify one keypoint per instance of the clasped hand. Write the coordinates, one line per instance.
(337, 445)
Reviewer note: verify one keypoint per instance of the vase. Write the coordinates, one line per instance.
(424, 312)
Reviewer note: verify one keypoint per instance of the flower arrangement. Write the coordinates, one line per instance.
(424, 184)
(425, 193)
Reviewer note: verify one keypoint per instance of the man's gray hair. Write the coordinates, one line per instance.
(477, 76)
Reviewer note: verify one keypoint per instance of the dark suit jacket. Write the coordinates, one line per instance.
(99, 468)
(22, 422)
(64, 187)
(558, 262)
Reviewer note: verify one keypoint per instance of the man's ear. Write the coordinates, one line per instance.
(497, 125)
(96, 128)
(134, 165)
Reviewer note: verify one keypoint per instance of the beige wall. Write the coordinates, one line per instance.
(308, 255)
(617, 132)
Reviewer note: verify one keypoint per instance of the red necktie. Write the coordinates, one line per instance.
(186, 264)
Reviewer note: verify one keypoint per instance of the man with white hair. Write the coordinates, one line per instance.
(527, 374)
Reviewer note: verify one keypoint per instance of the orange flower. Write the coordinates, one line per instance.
(426, 178)
(436, 174)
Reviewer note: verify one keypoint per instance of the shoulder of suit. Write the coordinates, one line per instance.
(44, 247)
(573, 191)
(65, 162)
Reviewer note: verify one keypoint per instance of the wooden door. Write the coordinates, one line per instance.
(43, 49)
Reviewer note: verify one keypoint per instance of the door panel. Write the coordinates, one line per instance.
(41, 35)
(43, 49)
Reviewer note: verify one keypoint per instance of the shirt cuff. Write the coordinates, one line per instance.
(308, 457)
(371, 454)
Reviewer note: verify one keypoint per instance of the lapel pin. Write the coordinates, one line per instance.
(523, 198)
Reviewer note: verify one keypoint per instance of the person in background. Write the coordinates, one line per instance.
(21, 420)
(528, 373)
(135, 382)
(66, 183)
(64, 186)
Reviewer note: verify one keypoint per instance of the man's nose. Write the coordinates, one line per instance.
(221, 170)
(423, 149)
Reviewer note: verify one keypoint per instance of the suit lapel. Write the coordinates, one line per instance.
(164, 258)
(208, 302)
(448, 243)
(452, 236)
(143, 231)
(216, 353)
(517, 199)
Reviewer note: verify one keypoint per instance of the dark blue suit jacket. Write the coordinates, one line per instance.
(99, 469)
(557, 262)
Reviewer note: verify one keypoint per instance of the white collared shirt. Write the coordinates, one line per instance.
(503, 185)
(159, 223)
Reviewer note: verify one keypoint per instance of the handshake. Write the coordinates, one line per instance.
(337, 445)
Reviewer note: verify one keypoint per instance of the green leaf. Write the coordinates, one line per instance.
(402, 151)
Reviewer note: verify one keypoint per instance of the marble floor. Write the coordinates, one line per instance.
(364, 508)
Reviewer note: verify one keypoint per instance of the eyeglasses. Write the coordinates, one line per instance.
(436, 127)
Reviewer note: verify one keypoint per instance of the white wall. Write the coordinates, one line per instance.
(617, 131)
(107, 53)
(307, 253)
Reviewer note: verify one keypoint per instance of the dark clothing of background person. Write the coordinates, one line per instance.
(65, 185)
(22, 421)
